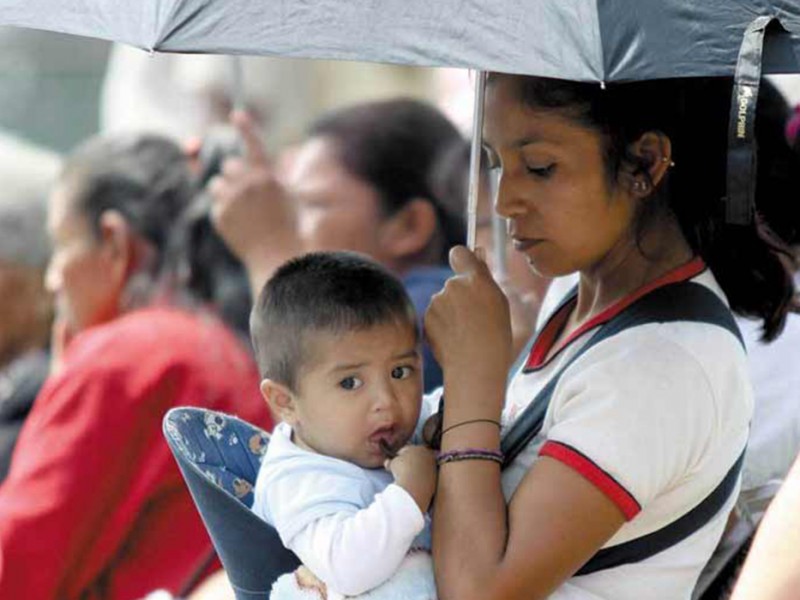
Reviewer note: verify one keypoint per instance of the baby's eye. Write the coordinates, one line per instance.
(402, 372)
(350, 383)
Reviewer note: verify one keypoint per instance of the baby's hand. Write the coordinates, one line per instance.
(414, 469)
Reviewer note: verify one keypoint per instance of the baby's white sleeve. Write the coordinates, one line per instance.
(356, 551)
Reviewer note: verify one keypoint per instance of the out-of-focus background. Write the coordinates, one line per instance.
(56, 89)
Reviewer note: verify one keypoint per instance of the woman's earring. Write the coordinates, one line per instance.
(667, 159)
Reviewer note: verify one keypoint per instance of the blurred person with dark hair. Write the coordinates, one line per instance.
(94, 505)
(25, 307)
(204, 266)
(361, 181)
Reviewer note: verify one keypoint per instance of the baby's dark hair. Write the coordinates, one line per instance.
(332, 292)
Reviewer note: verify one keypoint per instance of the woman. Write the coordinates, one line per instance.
(622, 185)
(361, 181)
(94, 506)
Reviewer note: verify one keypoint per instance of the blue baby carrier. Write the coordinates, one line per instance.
(219, 457)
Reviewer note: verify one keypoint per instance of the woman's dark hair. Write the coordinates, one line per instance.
(146, 178)
(199, 263)
(752, 264)
(393, 145)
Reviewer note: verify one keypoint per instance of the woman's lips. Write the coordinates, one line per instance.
(522, 244)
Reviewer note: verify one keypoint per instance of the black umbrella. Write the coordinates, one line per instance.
(582, 40)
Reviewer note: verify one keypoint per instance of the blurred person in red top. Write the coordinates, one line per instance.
(94, 505)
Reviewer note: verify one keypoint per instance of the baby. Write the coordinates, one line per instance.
(337, 344)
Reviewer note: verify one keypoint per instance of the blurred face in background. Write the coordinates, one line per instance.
(336, 210)
(25, 310)
(82, 274)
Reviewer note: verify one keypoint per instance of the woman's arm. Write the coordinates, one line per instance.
(556, 519)
(772, 570)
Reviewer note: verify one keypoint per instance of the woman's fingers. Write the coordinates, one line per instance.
(463, 261)
(234, 167)
(254, 149)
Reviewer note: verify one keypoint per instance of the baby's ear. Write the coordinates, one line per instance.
(280, 400)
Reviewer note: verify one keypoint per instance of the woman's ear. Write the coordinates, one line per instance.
(117, 240)
(280, 400)
(653, 151)
(410, 229)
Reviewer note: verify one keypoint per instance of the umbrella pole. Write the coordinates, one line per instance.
(237, 83)
(475, 159)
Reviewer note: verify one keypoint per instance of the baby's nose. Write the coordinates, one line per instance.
(385, 399)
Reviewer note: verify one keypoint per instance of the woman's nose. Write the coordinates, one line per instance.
(507, 202)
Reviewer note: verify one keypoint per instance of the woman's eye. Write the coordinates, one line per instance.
(402, 372)
(543, 172)
(350, 383)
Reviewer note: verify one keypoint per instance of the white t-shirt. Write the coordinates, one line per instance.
(350, 526)
(654, 416)
(775, 428)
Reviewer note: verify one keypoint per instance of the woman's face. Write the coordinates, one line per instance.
(80, 273)
(564, 216)
(518, 273)
(336, 211)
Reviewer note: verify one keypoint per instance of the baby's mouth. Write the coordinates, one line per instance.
(384, 439)
(387, 450)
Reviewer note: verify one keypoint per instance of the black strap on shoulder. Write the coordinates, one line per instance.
(684, 301)
(741, 168)
(669, 535)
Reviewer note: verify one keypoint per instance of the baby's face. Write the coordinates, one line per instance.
(357, 390)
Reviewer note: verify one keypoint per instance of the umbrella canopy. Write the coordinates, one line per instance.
(582, 40)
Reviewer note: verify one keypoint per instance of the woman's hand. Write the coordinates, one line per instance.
(468, 324)
(251, 210)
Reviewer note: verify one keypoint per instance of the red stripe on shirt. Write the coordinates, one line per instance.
(595, 475)
(544, 343)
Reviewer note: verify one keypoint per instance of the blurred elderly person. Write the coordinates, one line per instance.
(25, 307)
(94, 505)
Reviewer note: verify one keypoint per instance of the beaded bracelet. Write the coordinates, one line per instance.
(469, 454)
